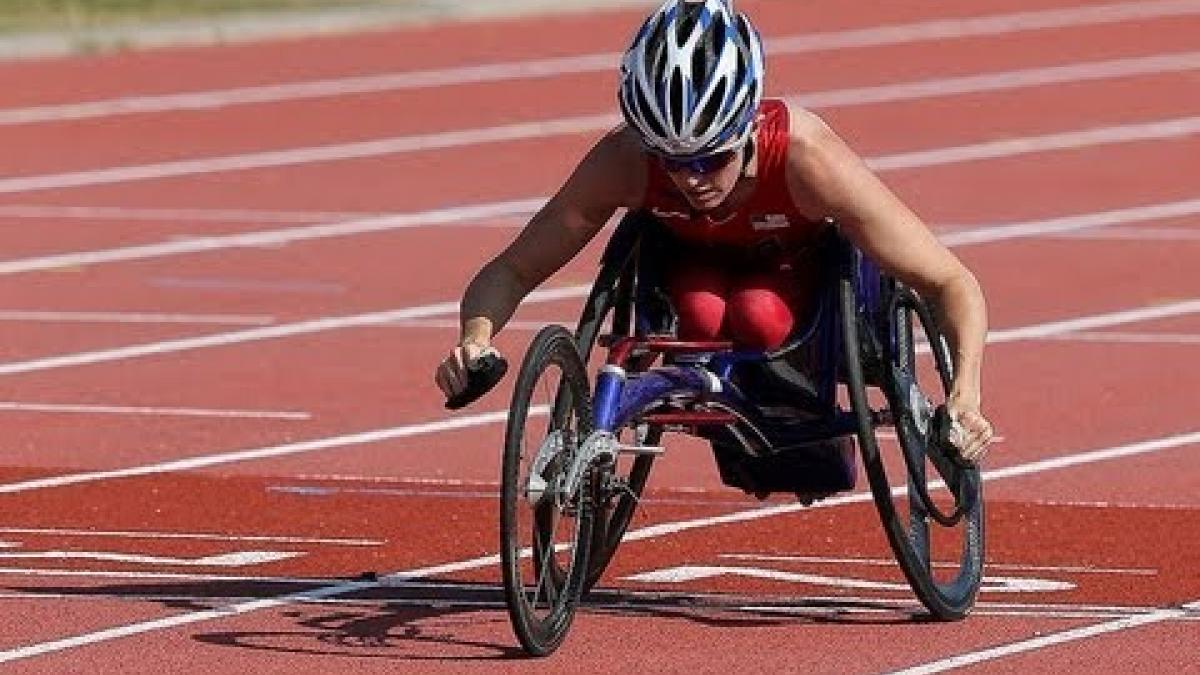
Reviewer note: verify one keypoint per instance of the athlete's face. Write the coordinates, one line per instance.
(707, 181)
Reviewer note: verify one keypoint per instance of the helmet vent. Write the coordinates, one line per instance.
(691, 16)
(646, 114)
(677, 103)
(705, 120)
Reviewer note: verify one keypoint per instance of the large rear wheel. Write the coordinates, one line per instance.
(931, 507)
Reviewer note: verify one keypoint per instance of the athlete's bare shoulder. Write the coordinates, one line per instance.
(615, 167)
(812, 147)
(808, 133)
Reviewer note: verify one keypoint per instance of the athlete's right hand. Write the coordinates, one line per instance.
(451, 375)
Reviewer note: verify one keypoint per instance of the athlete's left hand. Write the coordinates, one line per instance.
(971, 432)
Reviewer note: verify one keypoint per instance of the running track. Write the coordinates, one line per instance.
(229, 271)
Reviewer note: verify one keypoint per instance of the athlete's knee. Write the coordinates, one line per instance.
(758, 317)
(698, 294)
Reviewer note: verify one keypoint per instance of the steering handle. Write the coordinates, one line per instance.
(482, 374)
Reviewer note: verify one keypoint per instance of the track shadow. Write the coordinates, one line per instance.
(450, 621)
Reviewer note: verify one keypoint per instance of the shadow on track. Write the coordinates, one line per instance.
(453, 621)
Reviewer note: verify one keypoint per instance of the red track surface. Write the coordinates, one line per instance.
(97, 576)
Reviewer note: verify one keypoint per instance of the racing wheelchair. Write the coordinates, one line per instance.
(578, 452)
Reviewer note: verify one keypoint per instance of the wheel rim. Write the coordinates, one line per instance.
(542, 526)
(946, 587)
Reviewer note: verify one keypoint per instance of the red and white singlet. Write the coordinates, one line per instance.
(743, 278)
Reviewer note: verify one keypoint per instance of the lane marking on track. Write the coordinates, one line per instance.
(812, 606)
(199, 536)
(972, 658)
(134, 317)
(93, 409)
(464, 422)
(517, 208)
(1012, 147)
(1117, 337)
(681, 574)
(1144, 234)
(651, 532)
(277, 237)
(881, 562)
(549, 295)
(309, 327)
(236, 559)
(876, 36)
(600, 122)
(1157, 64)
(453, 324)
(525, 207)
(160, 576)
(176, 214)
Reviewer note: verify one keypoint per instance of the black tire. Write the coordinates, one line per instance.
(885, 343)
(611, 302)
(543, 566)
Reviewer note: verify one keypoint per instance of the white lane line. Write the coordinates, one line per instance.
(451, 323)
(1013, 79)
(198, 536)
(841, 605)
(285, 450)
(175, 215)
(1117, 337)
(1073, 224)
(1012, 147)
(158, 576)
(441, 309)
(520, 208)
(650, 532)
(270, 238)
(134, 317)
(600, 122)
(92, 409)
(1146, 234)
(972, 658)
(876, 36)
(438, 426)
(236, 559)
(266, 333)
(1052, 328)
(888, 562)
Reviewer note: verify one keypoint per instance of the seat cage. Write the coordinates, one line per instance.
(765, 402)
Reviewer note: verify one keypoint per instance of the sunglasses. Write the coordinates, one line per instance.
(702, 164)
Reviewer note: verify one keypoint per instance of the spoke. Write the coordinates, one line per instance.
(547, 559)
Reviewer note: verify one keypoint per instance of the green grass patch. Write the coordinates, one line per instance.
(17, 15)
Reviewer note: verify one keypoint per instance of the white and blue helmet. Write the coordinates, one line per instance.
(691, 82)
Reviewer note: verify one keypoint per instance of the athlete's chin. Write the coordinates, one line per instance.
(703, 201)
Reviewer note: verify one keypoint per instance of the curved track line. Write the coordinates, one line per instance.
(981, 235)
(525, 207)
(438, 426)
(268, 333)
(651, 532)
(941, 29)
(1044, 641)
(565, 126)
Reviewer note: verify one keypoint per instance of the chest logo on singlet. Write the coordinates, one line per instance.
(770, 221)
(667, 213)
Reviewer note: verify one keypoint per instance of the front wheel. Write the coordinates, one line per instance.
(546, 526)
(934, 524)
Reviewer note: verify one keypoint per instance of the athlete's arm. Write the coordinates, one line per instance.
(610, 176)
(825, 173)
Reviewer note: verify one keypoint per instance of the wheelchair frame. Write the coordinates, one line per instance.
(860, 334)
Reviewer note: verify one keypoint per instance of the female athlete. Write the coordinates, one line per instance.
(745, 185)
